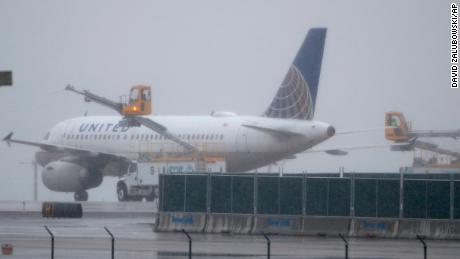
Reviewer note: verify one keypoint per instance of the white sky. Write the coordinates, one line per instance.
(201, 56)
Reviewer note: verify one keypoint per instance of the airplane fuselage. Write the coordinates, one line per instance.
(246, 142)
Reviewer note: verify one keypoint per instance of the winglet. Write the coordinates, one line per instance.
(8, 138)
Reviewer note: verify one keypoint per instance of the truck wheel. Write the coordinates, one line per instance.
(122, 192)
(151, 197)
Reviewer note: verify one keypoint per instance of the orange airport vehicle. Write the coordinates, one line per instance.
(396, 127)
(139, 102)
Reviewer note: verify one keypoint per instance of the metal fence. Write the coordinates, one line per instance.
(390, 195)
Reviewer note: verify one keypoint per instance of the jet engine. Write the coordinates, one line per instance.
(62, 176)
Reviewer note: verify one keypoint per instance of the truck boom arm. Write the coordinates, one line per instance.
(455, 134)
(96, 98)
(434, 148)
(133, 120)
(163, 131)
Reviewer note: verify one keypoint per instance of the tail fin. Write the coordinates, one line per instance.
(296, 96)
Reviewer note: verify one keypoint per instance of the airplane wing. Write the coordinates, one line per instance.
(61, 148)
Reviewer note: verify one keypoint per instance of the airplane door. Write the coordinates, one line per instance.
(242, 140)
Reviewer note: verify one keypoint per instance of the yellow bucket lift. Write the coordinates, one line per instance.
(396, 127)
(139, 102)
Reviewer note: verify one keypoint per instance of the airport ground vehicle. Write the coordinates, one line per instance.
(139, 101)
(431, 157)
(142, 178)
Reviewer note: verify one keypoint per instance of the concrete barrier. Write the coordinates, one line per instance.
(273, 224)
(373, 227)
(435, 229)
(229, 223)
(328, 226)
(295, 225)
(176, 221)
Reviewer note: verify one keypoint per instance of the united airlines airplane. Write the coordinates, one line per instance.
(77, 153)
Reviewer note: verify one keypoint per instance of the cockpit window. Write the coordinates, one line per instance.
(47, 136)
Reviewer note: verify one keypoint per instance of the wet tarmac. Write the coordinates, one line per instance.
(132, 225)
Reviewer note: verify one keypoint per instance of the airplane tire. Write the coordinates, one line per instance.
(122, 192)
(81, 196)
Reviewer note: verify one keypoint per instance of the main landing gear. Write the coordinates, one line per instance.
(81, 196)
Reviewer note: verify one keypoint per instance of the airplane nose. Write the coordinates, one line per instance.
(330, 131)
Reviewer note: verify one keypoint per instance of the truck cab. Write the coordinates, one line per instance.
(140, 181)
(142, 178)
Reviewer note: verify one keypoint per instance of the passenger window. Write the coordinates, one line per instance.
(125, 137)
(221, 136)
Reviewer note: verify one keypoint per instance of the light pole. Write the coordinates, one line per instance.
(35, 166)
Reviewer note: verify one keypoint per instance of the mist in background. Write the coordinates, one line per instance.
(201, 56)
